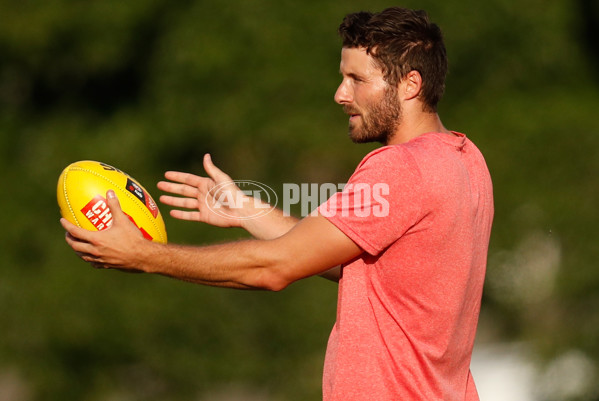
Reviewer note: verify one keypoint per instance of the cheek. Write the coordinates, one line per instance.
(365, 101)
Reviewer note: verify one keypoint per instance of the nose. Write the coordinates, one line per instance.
(343, 94)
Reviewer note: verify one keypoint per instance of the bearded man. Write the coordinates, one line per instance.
(410, 273)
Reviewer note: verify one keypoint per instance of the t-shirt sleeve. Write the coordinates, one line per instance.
(381, 200)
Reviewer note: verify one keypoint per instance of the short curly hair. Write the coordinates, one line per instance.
(401, 40)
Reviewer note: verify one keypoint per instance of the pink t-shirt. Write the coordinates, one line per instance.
(408, 306)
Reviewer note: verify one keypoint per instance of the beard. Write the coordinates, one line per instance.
(379, 121)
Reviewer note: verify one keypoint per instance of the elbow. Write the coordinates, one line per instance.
(273, 280)
(275, 270)
(274, 276)
(276, 287)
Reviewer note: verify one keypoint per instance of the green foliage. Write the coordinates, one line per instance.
(153, 85)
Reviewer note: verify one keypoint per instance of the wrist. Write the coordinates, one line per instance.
(252, 210)
(150, 256)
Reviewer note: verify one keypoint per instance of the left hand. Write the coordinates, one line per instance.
(199, 195)
(120, 246)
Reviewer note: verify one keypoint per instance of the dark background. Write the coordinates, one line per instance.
(152, 85)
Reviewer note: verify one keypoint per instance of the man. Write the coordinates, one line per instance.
(413, 262)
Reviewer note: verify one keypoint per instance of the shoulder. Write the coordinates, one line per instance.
(393, 165)
(386, 156)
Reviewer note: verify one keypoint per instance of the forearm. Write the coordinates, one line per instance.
(243, 265)
(276, 224)
(249, 264)
(270, 225)
(311, 247)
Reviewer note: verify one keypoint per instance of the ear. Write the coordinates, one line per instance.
(411, 85)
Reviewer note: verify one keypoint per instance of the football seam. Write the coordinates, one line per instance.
(129, 195)
(66, 196)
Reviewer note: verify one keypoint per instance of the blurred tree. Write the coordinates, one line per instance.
(153, 85)
(589, 13)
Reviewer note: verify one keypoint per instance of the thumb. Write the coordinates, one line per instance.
(114, 205)
(214, 172)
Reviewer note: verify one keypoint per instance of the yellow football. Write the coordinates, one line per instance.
(81, 194)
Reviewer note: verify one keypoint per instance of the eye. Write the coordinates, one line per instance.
(358, 79)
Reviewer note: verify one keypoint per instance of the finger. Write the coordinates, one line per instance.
(183, 215)
(217, 174)
(186, 203)
(84, 249)
(184, 178)
(83, 255)
(115, 207)
(178, 189)
(76, 233)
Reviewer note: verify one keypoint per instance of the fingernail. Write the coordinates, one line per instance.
(111, 194)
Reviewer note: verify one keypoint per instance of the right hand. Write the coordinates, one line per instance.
(201, 196)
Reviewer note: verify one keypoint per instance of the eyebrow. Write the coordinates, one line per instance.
(353, 75)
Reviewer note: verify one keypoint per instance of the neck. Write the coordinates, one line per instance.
(416, 125)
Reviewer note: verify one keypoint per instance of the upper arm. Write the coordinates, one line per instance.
(311, 247)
